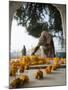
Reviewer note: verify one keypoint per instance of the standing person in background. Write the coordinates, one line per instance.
(24, 51)
(46, 41)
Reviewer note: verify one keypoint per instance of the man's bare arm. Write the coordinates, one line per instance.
(36, 48)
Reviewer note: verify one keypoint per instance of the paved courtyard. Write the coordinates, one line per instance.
(56, 78)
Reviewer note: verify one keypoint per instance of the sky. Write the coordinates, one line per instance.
(20, 37)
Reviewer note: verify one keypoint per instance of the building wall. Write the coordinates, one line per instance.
(62, 10)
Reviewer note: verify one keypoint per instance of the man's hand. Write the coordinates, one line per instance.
(32, 53)
(36, 48)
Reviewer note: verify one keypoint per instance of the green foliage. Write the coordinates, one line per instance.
(31, 15)
(55, 15)
(37, 28)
